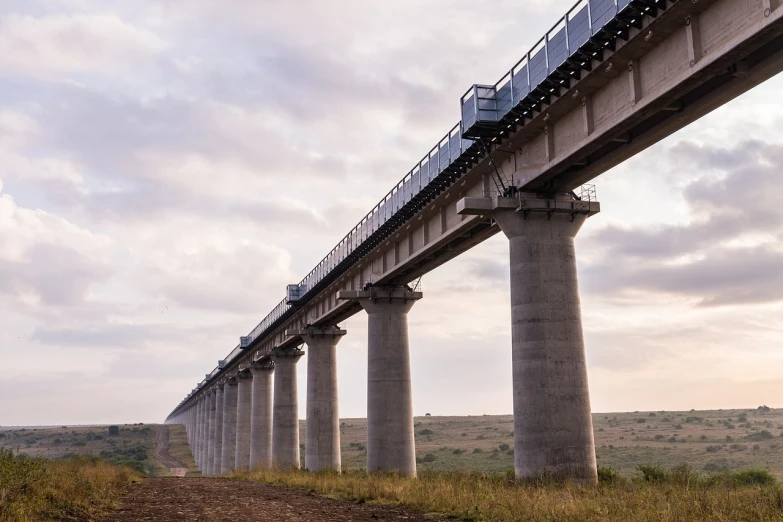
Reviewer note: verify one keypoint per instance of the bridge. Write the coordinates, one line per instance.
(611, 78)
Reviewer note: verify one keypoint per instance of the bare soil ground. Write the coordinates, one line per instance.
(216, 499)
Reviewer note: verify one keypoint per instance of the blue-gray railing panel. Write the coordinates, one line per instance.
(443, 157)
(557, 49)
(578, 29)
(504, 101)
(622, 4)
(537, 68)
(469, 109)
(454, 147)
(382, 212)
(521, 87)
(425, 172)
(416, 181)
(601, 11)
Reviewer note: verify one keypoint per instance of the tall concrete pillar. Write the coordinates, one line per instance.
(199, 418)
(553, 430)
(261, 415)
(244, 399)
(211, 435)
(322, 444)
(218, 450)
(285, 420)
(390, 443)
(229, 426)
(204, 432)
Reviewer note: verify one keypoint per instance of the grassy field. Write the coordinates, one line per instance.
(680, 496)
(709, 441)
(132, 446)
(33, 489)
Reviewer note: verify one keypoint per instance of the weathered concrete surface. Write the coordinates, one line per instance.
(322, 444)
(553, 430)
(244, 400)
(261, 415)
(285, 423)
(200, 447)
(211, 428)
(390, 443)
(218, 430)
(229, 426)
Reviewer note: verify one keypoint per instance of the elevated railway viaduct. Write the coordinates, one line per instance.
(610, 79)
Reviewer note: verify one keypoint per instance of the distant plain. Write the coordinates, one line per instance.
(709, 441)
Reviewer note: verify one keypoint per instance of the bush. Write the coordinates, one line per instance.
(761, 435)
(748, 477)
(425, 432)
(503, 447)
(114, 430)
(458, 451)
(652, 473)
(713, 449)
(660, 437)
(607, 475)
(429, 457)
(478, 450)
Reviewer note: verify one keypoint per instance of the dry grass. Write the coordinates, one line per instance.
(33, 489)
(493, 497)
(179, 449)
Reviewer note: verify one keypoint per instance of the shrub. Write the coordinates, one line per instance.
(429, 457)
(713, 449)
(478, 450)
(652, 473)
(425, 432)
(458, 451)
(660, 437)
(503, 447)
(114, 430)
(761, 435)
(607, 475)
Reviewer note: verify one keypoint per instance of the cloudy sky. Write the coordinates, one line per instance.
(167, 167)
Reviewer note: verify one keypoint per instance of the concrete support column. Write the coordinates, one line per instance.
(261, 415)
(204, 432)
(553, 430)
(390, 443)
(285, 421)
(218, 443)
(211, 435)
(244, 399)
(322, 444)
(199, 419)
(229, 426)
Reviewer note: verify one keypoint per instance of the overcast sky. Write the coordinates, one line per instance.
(167, 167)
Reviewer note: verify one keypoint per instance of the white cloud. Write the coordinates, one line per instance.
(58, 46)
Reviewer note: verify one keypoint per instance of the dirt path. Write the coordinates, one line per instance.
(161, 453)
(218, 499)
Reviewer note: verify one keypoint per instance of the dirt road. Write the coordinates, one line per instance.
(218, 499)
(161, 453)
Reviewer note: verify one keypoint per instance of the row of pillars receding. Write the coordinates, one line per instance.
(244, 422)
